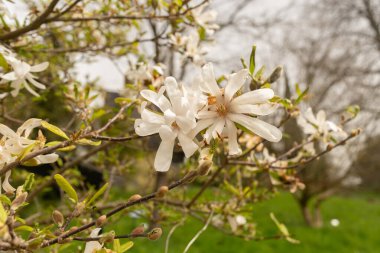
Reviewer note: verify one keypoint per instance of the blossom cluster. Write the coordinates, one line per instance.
(22, 75)
(205, 109)
(14, 144)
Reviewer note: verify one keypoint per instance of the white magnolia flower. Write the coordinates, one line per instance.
(178, 40)
(236, 222)
(22, 76)
(139, 73)
(319, 126)
(93, 246)
(176, 121)
(206, 19)
(193, 49)
(12, 144)
(225, 109)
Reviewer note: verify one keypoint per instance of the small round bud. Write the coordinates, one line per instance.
(330, 147)
(58, 218)
(155, 234)
(108, 237)
(101, 220)
(162, 191)
(138, 230)
(79, 209)
(204, 167)
(355, 132)
(73, 229)
(134, 198)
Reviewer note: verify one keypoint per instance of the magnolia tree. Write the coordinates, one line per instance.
(51, 126)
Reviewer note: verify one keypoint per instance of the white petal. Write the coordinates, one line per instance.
(309, 116)
(235, 82)
(8, 188)
(16, 85)
(254, 97)
(7, 132)
(209, 79)
(259, 109)
(31, 90)
(39, 67)
(93, 246)
(202, 124)
(157, 99)
(34, 82)
(321, 117)
(186, 123)
(151, 117)
(187, 144)
(169, 116)
(164, 153)
(205, 114)
(11, 76)
(143, 128)
(50, 158)
(26, 128)
(259, 127)
(172, 88)
(233, 145)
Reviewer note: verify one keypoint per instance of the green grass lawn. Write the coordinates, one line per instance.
(358, 232)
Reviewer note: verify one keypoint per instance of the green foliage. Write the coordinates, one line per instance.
(54, 129)
(66, 187)
(97, 194)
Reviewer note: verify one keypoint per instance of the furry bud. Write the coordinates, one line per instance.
(134, 198)
(58, 218)
(101, 220)
(162, 191)
(155, 234)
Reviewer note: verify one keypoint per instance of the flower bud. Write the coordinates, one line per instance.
(58, 218)
(330, 147)
(108, 237)
(19, 200)
(276, 74)
(138, 230)
(204, 167)
(101, 220)
(155, 234)
(355, 132)
(134, 198)
(162, 191)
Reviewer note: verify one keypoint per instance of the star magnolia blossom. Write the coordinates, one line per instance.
(22, 76)
(224, 109)
(205, 19)
(176, 122)
(12, 144)
(319, 126)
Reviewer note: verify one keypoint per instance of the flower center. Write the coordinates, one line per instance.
(222, 110)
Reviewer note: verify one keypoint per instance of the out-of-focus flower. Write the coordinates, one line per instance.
(334, 222)
(193, 49)
(205, 19)
(22, 76)
(225, 109)
(178, 40)
(142, 72)
(12, 144)
(318, 126)
(176, 122)
(236, 222)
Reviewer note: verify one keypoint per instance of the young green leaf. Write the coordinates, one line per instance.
(252, 61)
(126, 246)
(54, 129)
(29, 182)
(97, 194)
(66, 187)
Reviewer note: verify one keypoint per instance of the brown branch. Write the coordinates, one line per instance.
(89, 239)
(32, 26)
(187, 178)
